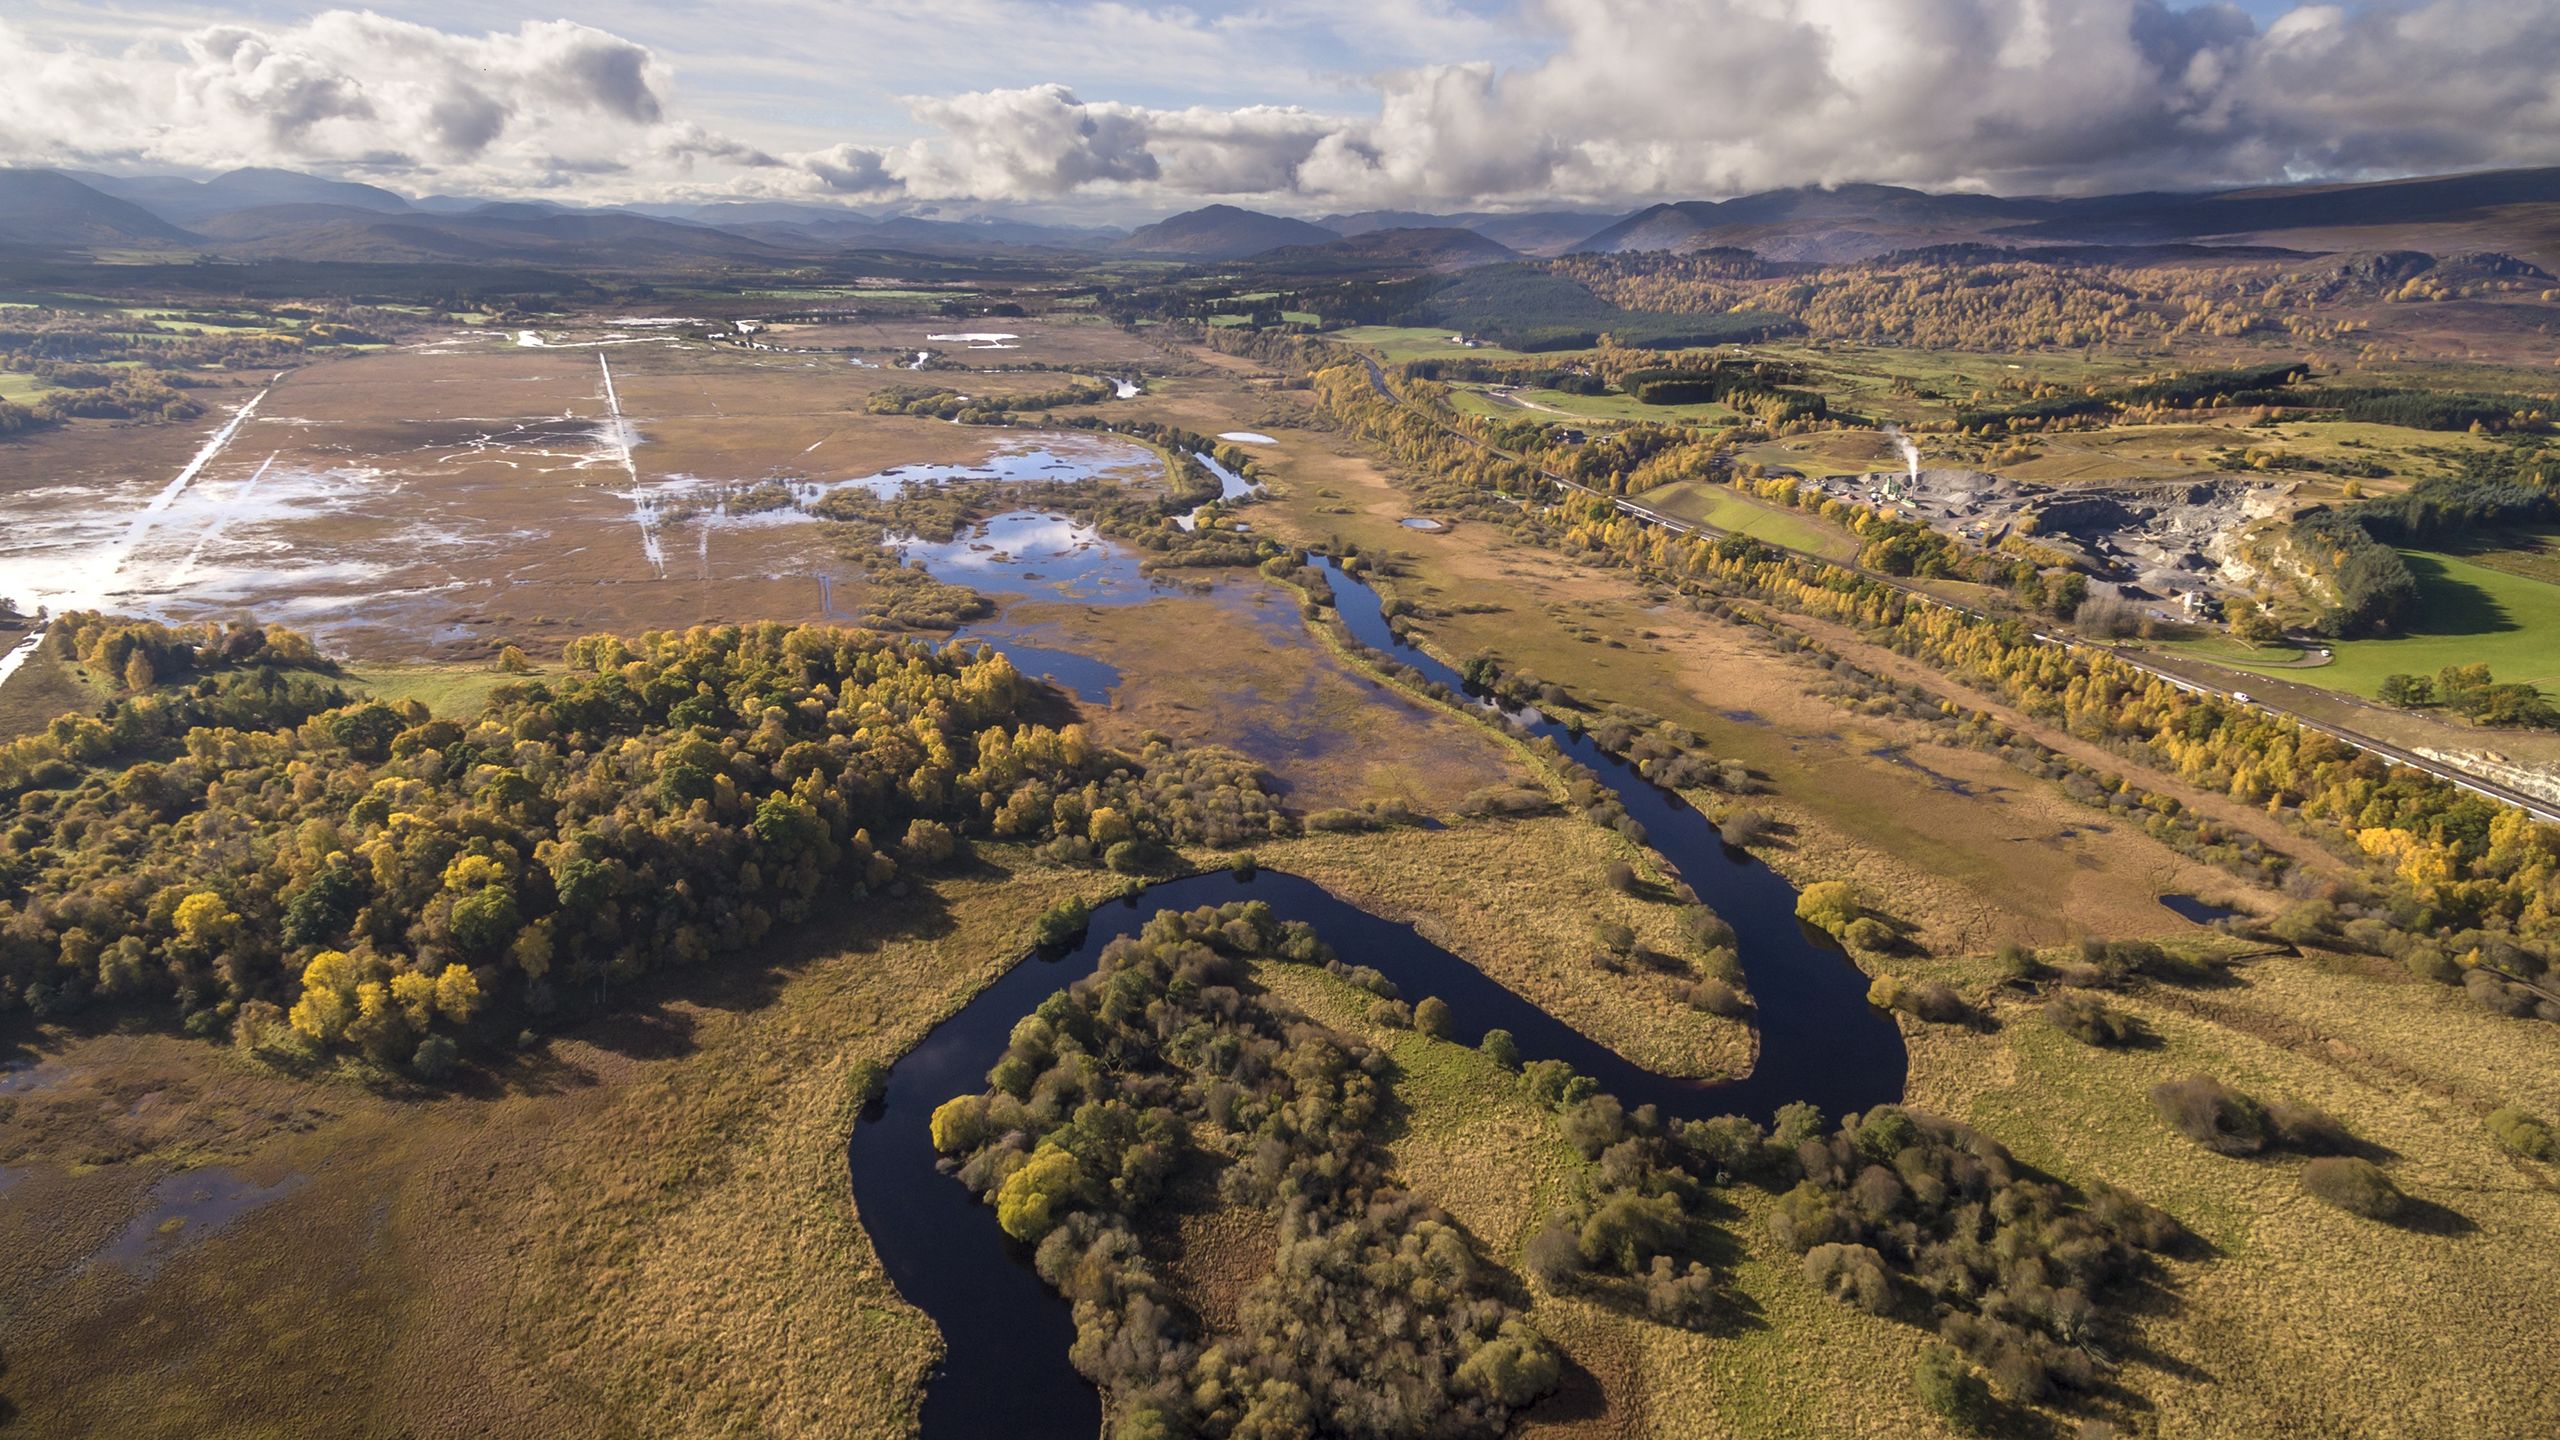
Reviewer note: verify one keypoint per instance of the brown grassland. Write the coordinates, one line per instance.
(639, 1226)
(642, 1226)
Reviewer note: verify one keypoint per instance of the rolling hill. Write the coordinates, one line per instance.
(1222, 232)
(493, 232)
(1529, 307)
(2513, 210)
(184, 202)
(1419, 249)
(1848, 222)
(48, 209)
(1534, 232)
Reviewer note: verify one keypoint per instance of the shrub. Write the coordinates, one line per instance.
(2307, 1130)
(435, 1058)
(1678, 1295)
(2429, 962)
(1555, 1254)
(1393, 1014)
(1867, 932)
(2356, 1186)
(2089, 1020)
(1501, 1049)
(1851, 1274)
(1498, 801)
(1512, 1369)
(1705, 929)
(2014, 962)
(1718, 998)
(2496, 995)
(1949, 1385)
(1744, 827)
(1621, 877)
(1062, 923)
(2212, 1114)
(1626, 1230)
(928, 842)
(2306, 923)
(1431, 1017)
(1553, 1083)
(1926, 1000)
(2524, 1134)
(1829, 905)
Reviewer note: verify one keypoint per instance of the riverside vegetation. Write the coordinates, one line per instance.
(316, 875)
(2456, 887)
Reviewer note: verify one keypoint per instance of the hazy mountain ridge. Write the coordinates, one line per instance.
(1223, 232)
(49, 209)
(1439, 248)
(282, 214)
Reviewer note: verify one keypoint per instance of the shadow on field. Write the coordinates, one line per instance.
(2426, 1217)
(652, 1018)
(2454, 607)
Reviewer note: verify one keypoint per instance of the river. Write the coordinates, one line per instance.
(1007, 1334)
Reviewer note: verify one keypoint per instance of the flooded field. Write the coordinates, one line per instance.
(440, 501)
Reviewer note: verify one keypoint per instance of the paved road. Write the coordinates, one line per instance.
(2479, 785)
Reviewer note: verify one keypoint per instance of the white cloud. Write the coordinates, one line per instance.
(1606, 101)
(350, 90)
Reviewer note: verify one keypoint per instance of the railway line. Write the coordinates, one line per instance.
(2482, 786)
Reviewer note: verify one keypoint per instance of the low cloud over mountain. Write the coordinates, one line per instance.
(1607, 102)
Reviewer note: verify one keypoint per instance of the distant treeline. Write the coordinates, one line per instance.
(2351, 548)
(2274, 386)
(1748, 385)
(1761, 388)
(2428, 409)
(1497, 372)
(944, 403)
(1530, 307)
(127, 395)
(2260, 385)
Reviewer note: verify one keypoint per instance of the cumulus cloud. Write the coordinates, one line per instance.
(349, 89)
(1617, 101)
(1641, 99)
(1647, 98)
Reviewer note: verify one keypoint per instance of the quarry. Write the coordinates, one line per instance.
(2172, 544)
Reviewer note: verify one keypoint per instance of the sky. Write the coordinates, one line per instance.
(1127, 109)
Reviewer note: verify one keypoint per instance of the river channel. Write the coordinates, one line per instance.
(1007, 1334)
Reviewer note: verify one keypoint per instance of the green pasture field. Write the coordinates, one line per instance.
(2468, 613)
(1395, 344)
(1598, 407)
(1706, 503)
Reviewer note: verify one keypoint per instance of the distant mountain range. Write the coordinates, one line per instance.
(280, 214)
(44, 208)
(2511, 209)
(1536, 232)
(1223, 232)
(1437, 248)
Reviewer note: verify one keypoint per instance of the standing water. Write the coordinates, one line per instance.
(1820, 1040)
(1007, 1334)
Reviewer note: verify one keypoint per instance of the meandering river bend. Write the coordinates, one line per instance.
(1007, 1334)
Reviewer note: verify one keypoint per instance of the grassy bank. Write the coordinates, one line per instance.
(2468, 612)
